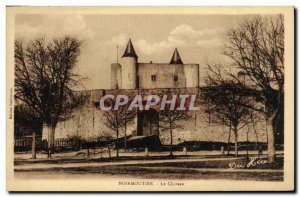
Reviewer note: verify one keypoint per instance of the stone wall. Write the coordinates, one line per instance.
(87, 122)
(164, 75)
(191, 73)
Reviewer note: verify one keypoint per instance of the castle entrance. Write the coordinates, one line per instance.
(148, 123)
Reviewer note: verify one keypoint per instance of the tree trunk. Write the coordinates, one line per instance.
(38, 129)
(88, 152)
(277, 121)
(33, 146)
(271, 145)
(271, 137)
(51, 139)
(171, 138)
(235, 142)
(248, 130)
(125, 138)
(117, 143)
(228, 146)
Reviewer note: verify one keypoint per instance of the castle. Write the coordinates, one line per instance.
(131, 76)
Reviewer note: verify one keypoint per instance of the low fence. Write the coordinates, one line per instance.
(24, 143)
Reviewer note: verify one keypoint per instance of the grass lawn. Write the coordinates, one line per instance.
(169, 170)
(148, 173)
(220, 164)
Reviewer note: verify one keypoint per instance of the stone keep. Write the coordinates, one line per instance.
(130, 74)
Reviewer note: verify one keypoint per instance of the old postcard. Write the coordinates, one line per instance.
(150, 99)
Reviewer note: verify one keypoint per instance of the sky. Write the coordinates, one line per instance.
(198, 38)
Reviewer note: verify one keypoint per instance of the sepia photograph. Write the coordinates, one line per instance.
(150, 99)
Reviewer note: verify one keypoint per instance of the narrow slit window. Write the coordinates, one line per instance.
(153, 77)
(176, 78)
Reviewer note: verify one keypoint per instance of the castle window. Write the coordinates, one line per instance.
(153, 77)
(175, 77)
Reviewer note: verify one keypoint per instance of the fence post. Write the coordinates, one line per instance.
(222, 151)
(88, 152)
(184, 151)
(109, 154)
(146, 152)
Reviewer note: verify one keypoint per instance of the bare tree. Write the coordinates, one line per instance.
(28, 86)
(118, 119)
(257, 48)
(226, 103)
(169, 117)
(45, 80)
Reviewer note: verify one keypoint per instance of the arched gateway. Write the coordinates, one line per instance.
(148, 123)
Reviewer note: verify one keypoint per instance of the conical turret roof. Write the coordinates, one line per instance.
(176, 58)
(129, 52)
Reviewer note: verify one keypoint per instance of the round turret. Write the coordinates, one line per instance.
(129, 67)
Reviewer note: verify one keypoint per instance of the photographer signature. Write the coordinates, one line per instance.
(254, 161)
